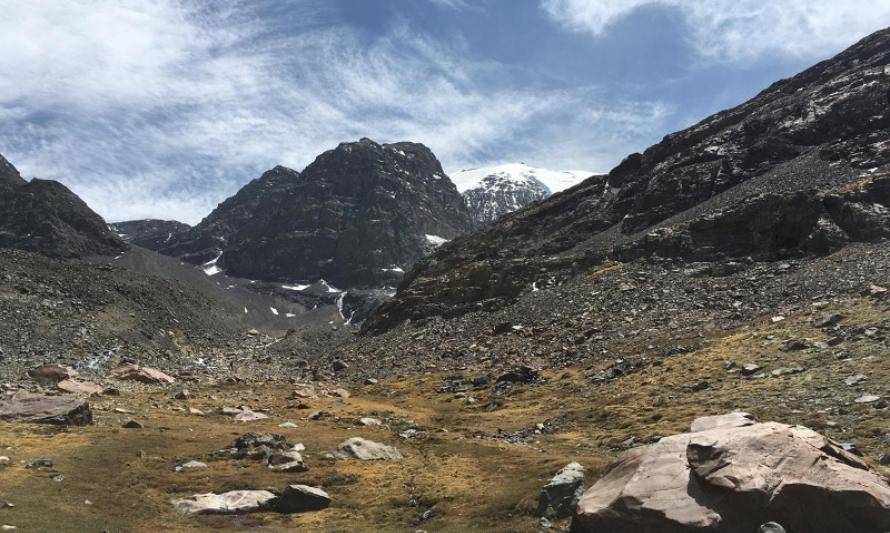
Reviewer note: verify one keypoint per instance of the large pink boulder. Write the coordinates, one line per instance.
(68, 410)
(143, 374)
(731, 474)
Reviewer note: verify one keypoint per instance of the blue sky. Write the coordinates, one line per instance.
(165, 108)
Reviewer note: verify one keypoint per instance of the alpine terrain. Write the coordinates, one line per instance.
(696, 341)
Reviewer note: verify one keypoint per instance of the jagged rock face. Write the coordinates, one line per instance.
(45, 216)
(496, 195)
(9, 175)
(152, 234)
(355, 217)
(796, 170)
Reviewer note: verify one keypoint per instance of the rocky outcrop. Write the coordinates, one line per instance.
(45, 216)
(66, 410)
(356, 217)
(732, 474)
(787, 173)
(150, 233)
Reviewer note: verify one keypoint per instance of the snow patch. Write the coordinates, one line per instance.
(435, 240)
(274, 311)
(331, 289)
(295, 287)
(210, 267)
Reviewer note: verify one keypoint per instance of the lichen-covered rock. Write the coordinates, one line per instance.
(366, 450)
(731, 475)
(560, 495)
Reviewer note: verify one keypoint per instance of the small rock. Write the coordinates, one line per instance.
(4, 461)
(370, 381)
(851, 447)
(182, 394)
(301, 498)
(194, 411)
(189, 465)
(248, 415)
(288, 425)
(522, 374)
(828, 320)
(700, 386)
(43, 462)
(771, 527)
(750, 369)
(339, 365)
(855, 379)
(366, 450)
(785, 371)
(868, 398)
(288, 461)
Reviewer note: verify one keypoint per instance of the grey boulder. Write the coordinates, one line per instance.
(561, 494)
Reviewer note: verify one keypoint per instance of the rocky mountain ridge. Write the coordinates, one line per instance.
(356, 217)
(46, 217)
(796, 170)
(149, 233)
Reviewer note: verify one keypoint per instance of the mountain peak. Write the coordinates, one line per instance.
(554, 180)
(9, 175)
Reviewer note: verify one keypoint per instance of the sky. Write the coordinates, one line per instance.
(164, 108)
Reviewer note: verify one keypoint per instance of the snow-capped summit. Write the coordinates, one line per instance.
(492, 192)
(554, 180)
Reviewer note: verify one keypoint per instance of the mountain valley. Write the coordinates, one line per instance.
(696, 341)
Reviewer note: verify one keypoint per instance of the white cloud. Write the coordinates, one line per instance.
(742, 30)
(163, 109)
